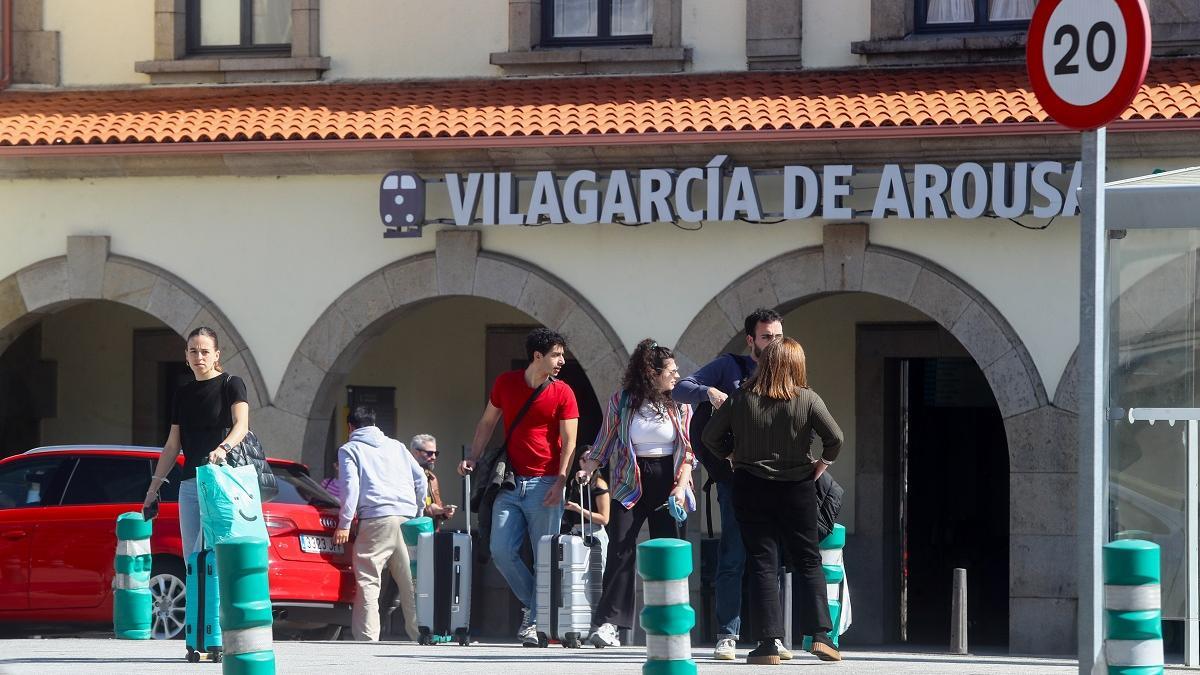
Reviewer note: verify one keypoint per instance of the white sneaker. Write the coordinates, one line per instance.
(785, 654)
(606, 636)
(726, 648)
(527, 634)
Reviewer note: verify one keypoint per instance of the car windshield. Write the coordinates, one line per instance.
(296, 487)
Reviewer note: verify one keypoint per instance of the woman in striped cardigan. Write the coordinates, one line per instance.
(645, 443)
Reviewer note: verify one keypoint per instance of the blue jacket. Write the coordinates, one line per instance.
(724, 372)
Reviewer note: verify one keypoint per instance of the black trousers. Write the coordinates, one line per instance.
(616, 600)
(772, 513)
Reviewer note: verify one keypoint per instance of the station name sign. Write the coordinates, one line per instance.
(720, 192)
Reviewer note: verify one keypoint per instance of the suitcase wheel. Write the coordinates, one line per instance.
(193, 656)
(464, 640)
(571, 641)
(215, 655)
(543, 641)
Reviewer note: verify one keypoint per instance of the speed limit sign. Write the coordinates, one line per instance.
(1087, 58)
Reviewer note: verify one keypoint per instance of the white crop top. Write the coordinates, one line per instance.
(651, 432)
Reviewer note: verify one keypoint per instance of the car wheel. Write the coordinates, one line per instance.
(168, 595)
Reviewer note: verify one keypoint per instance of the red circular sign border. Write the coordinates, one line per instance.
(1129, 82)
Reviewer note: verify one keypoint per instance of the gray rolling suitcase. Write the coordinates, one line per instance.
(444, 563)
(570, 577)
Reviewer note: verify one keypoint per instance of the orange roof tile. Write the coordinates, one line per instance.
(945, 99)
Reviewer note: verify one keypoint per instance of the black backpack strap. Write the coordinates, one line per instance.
(525, 408)
(708, 484)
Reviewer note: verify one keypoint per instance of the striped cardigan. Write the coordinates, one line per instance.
(612, 447)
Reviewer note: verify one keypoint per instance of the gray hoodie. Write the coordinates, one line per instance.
(378, 478)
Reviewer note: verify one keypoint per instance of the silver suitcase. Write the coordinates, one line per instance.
(444, 562)
(570, 577)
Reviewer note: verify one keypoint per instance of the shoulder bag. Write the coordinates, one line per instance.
(249, 452)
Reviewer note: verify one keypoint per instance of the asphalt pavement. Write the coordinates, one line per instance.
(51, 656)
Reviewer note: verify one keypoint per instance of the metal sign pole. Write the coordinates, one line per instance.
(1092, 528)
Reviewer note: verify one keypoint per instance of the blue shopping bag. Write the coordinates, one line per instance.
(230, 504)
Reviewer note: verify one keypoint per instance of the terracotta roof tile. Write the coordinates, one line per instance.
(848, 99)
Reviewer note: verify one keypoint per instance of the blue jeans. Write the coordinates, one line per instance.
(731, 563)
(189, 517)
(518, 514)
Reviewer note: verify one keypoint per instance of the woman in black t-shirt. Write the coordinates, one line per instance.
(208, 417)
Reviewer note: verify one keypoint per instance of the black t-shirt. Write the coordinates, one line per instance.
(570, 518)
(202, 409)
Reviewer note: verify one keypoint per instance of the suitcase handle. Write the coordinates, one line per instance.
(467, 501)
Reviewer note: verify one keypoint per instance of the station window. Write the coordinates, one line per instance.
(952, 16)
(235, 26)
(597, 22)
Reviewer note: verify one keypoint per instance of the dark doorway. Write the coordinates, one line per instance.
(159, 370)
(28, 392)
(952, 487)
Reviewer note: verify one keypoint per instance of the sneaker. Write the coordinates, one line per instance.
(606, 636)
(765, 654)
(823, 649)
(527, 634)
(785, 654)
(726, 649)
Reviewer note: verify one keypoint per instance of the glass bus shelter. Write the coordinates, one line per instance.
(1152, 358)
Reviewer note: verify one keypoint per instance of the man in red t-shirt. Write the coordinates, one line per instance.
(540, 449)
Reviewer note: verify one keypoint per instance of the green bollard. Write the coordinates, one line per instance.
(132, 602)
(411, 531)
(668, 617)
(245, 607)
(1132, 608)
(835, 575)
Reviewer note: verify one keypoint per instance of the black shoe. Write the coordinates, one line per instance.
(822, 648)
(765, 654)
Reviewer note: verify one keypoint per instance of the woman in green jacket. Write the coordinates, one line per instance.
(773, 418)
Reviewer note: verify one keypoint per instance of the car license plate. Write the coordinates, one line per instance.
(312, 543)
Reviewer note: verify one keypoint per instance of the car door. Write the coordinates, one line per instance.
(27, 484)
(71, 563)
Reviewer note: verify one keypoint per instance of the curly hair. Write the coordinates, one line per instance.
(647, 361)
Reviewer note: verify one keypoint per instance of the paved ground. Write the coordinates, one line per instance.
(94, 656)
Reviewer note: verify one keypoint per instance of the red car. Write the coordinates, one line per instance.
(58, 514)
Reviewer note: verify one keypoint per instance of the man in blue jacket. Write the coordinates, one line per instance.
(713, 384)
(384, 487)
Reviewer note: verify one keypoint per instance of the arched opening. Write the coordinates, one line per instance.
(924, 446)
(942, 326)
(428, 369)
(91, 349)
(95, 372)
(425, 337)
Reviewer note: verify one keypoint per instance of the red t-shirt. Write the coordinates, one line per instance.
(535, 448)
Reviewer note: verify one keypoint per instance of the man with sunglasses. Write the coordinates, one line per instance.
(424, 450)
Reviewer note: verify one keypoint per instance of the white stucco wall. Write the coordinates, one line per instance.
(716, 32)
(100, 41)
(368, 39)
(828, 30)
(392, 39)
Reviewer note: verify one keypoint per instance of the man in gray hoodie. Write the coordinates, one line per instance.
(384, 487)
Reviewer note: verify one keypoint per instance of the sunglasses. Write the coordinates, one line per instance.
(431, 453)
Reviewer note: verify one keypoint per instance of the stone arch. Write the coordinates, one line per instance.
(457, 268)
(1040, 437)
(847, 263)
(90, 272)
